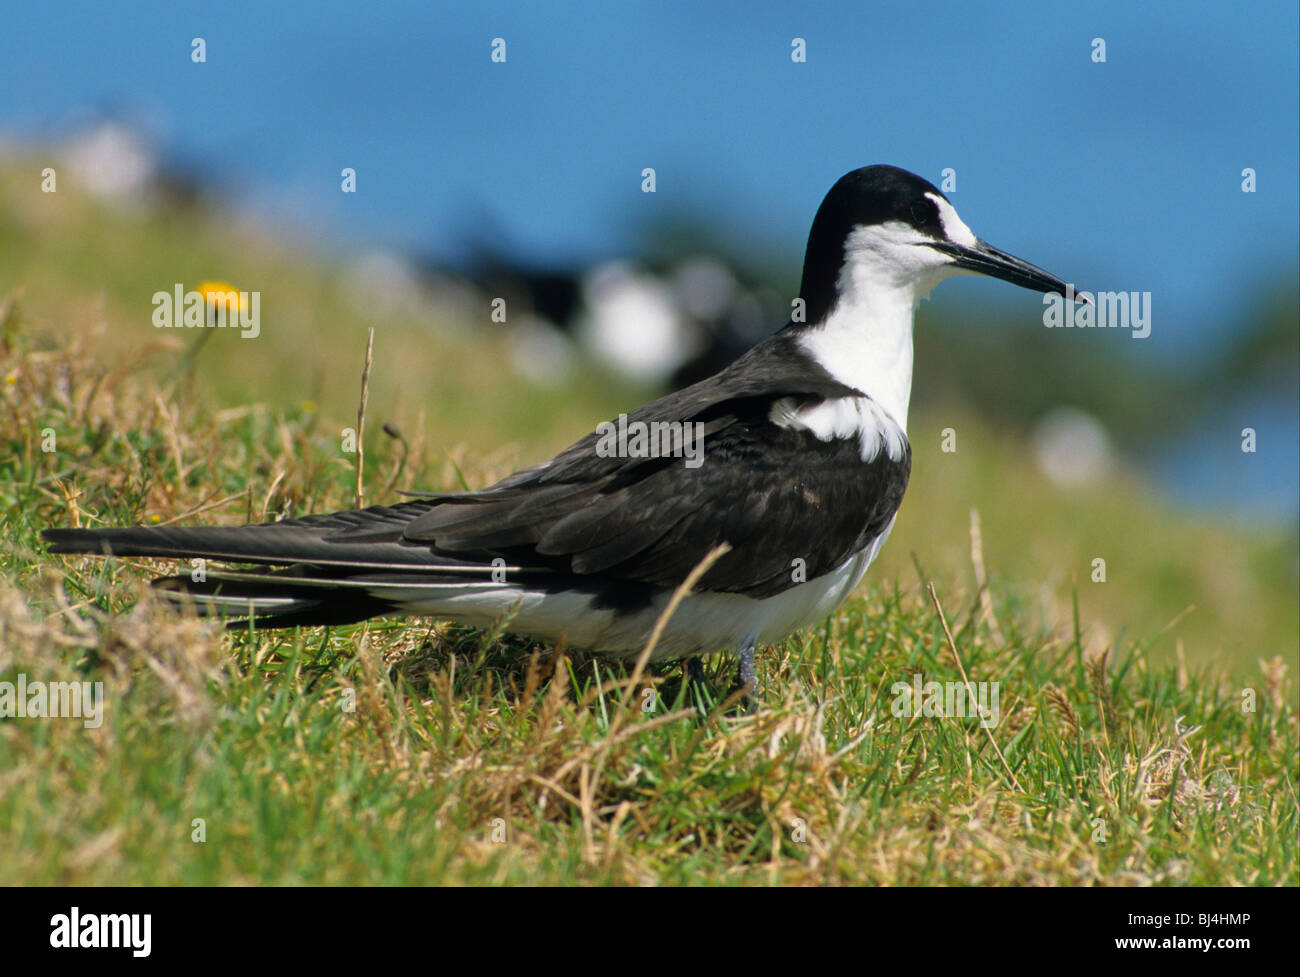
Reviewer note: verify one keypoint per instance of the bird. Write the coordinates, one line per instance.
(795, 456)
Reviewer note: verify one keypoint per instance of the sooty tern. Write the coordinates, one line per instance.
(801, 465)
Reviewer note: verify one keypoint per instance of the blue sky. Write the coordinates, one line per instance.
(1117, 175)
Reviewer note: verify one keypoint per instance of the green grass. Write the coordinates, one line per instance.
(387, 753)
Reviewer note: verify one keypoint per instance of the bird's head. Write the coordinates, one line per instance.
(883, 230)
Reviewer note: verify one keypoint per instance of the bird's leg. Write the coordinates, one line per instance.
(746, 680)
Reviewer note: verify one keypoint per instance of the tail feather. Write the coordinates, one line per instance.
(365, 537)
(333, 569)
(320, 554)
(271, 600)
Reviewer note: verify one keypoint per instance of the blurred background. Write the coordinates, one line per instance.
(499, 152)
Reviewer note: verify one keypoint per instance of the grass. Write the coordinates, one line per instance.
(416, 751)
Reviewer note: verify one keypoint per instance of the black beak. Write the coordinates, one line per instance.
(984, 259)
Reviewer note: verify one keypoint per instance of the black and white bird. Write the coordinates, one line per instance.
(803, 462)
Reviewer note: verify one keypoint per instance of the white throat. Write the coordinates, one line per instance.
(866, 340)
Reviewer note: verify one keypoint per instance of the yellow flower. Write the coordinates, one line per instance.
(219, 296)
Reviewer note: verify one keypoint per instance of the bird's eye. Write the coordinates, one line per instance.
(921, 214)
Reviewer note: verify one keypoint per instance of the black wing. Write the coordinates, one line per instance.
(776, 495)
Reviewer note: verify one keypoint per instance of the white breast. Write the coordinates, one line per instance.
(865, 341)
(844, 417)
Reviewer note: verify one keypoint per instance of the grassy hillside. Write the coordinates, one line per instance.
(1135, 743)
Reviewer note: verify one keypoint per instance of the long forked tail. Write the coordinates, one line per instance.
(325, 569)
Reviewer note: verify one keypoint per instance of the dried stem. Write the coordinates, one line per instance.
(361, 420)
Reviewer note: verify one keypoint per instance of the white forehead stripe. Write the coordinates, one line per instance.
(953, 226)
